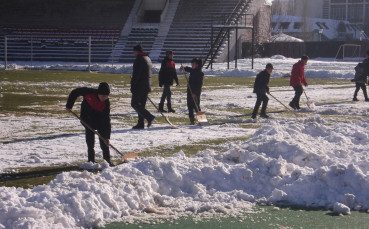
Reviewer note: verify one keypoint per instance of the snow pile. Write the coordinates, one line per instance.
(306, 162)
(309, 163)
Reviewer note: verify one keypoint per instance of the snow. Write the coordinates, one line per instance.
(318, 160)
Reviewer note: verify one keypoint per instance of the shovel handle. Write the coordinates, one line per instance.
(97, 133)
(188, 85)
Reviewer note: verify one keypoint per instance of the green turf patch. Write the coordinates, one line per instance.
(265, 217)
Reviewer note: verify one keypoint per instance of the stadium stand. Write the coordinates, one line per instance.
(43, 36)
(190, 32)
(143, 36)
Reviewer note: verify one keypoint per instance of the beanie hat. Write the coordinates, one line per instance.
(137, 48)
(304, 57)
(269, 65)
(198, 61)
(103, 89)
(169, 52)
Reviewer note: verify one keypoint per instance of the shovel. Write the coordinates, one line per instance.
(309, 103)
(124, 157)
(293, 111)
(200, 115)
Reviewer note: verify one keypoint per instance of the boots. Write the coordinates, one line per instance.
(170, 108)
(161, 108)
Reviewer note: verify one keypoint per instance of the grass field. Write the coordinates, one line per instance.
(44, 93)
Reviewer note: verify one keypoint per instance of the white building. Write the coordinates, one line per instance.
(354, 11)
(321, 19)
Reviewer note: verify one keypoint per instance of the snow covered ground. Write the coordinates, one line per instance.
(319, 159)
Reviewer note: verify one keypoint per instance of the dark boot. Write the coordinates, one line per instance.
(292, 105)
(161, 108)
(150, 120)
(170, 108)
(263, 115)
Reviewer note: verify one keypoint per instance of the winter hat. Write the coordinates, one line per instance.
(269, 65)
(198, 61)
(304, 57)
(103, 89)
(137, 48)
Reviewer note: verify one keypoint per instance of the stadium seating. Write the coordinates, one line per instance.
(189, 35)
(51, 44)
(190, 32)
(143, 36)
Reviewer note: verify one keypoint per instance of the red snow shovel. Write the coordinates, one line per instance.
(200, 115)
(124, 157)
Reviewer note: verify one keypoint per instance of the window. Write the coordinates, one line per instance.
(325, 25)
(355, 13)
(297, 25)
(338, 1)
(338, 12)
(318, 24)
(274, 25)
(355, 1)
(285, 25)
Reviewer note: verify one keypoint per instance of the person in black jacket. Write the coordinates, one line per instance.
(361, 79)
(167, 74)
(141, 86)
(261, 89)
(194, 87)
(95, 111)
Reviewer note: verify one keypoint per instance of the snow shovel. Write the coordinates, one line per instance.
(294, 112)
(165, 117)
(124, 157)
(309, 103)
(200, 115)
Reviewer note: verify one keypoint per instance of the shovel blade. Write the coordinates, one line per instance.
(201, 117)
(132, 155)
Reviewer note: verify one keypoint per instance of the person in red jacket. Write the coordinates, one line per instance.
(297, 80)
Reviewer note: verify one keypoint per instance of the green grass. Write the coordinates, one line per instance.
(265, 217)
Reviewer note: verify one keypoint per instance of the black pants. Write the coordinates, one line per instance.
(138, 103)
(191, 105)
(167, 94)
(261, 98)
(361, 86)
(296, 100)
(90, 140)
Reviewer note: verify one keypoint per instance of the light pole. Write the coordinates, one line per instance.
(320, 34)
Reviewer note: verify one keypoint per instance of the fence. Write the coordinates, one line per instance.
(65, 48)
(325, 49)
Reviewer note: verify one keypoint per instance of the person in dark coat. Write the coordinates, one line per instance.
(141, 86)
(194, 87)
(297, 80)
(261, 89)
(95, 111)
(361, 79)
(167, 74)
